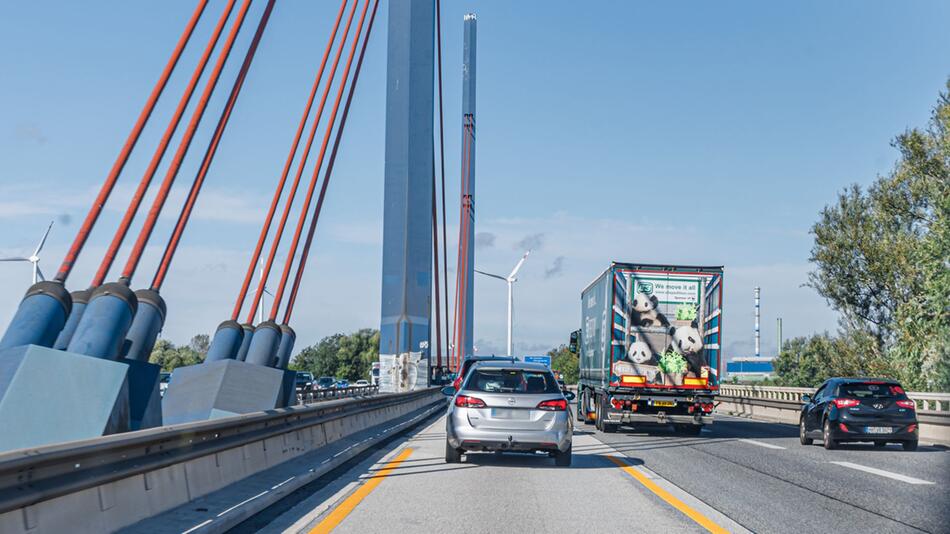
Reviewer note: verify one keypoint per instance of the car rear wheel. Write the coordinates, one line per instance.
(452, 455)
(910, 445)
(803, 434)
(563, 459)
(830, 443)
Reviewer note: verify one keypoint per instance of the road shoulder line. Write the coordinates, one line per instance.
(715, 521)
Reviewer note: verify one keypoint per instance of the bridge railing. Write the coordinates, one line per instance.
(311, 395)
(929, 403)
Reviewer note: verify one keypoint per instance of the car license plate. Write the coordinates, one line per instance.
(878, 430)
(665, 404)
(505, 413)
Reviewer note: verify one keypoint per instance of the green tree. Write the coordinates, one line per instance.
(563, 360)
(166, 354)
(882, 259)
(342, 356)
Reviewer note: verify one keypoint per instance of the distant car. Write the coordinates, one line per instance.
(303, 381)
(859, 409)
(325, 382)
(362, 383)
(163, 381)
(467, 364)
(509, 407)
(342, 383)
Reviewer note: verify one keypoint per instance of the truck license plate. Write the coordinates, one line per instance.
(878, 430)
(665, 404)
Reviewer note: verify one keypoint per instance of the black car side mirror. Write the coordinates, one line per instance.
(806, 399)
(448, 391)
(569, 395)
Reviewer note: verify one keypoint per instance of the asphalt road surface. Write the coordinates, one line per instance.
(738, 476)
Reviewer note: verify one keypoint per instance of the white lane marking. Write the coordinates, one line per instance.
(196, 527)
(762, 444)
(282, 483)
(883, 473)
(242, 503)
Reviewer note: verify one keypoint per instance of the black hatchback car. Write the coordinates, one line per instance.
(859, 409)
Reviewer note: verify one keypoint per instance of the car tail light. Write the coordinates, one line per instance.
(846, 403)
(843, 427)
(553, 405)
(909, 404)
(911, 428)
(457, 384)
(464, 401)
(616, 403)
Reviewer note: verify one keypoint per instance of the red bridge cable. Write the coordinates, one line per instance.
(189, 205)
(445, 242)
(278, 234)
(461, 284)
(136, 201)
(242, 294)
(131, 140)
(326, 178)
(316, 171)
(183, 146)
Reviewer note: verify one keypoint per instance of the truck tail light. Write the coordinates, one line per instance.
(909, 404)
(846, 403)
(708, 407)
(464, 401)
(616, 403)
(553, 405)
(633, 380)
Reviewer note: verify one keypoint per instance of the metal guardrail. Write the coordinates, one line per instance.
(937, 404)
(28, 476)
(311, 395)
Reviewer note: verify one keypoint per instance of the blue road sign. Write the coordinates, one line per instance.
(544, 360)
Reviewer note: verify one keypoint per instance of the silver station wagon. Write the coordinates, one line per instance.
(509, 407)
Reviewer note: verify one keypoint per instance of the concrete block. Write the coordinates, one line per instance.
(145, 399)
(51, 396)
(221, 388)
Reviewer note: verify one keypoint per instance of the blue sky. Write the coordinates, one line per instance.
(694, 132)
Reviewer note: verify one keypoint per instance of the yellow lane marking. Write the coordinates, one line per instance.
(337, 516)
(699, 518)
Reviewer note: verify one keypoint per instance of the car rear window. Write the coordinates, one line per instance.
(511, 381)
(872, 390)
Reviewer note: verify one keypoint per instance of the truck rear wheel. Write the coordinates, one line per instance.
(605, 427)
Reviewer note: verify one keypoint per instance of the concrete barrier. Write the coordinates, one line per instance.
(105, 484)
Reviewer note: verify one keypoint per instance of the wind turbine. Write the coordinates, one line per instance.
(35, 257)
(260, 307)
(510, 279)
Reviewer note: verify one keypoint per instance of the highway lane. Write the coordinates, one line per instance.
(739, 474)
(499, 493)
(759, 474)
